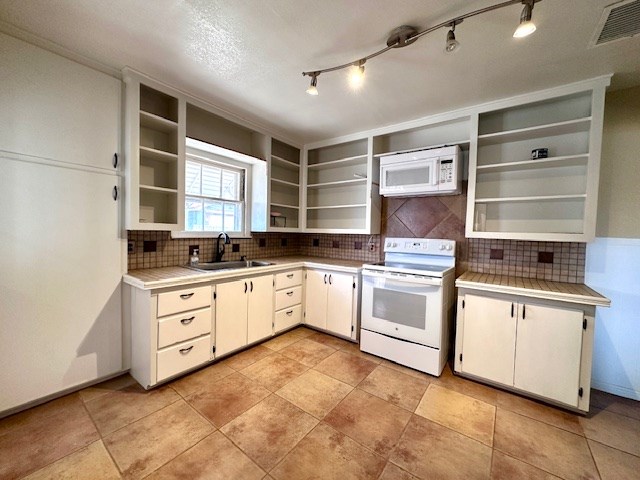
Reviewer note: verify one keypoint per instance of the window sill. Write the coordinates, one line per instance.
(235, 236)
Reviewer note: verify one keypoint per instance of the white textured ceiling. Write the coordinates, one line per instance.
(246, 56)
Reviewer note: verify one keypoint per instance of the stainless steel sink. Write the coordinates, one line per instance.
(215, 266)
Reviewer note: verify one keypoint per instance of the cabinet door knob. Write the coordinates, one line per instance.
(289, 293)
(251, 282)
(325, 278)
(245, 287)
(114, 193)
(289, 313)
(511, 309)
(524, 314)
(329, 279)
(290, 275)
(186, 296)
(115, 160)
(187, 321)
(184, 351)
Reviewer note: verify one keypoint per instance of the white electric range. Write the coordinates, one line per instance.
(407, 303)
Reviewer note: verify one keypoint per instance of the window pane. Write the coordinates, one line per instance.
(211, 181)
(192, 178)
(230, 185)
(213, 216)
(232, 217)
(193, 214)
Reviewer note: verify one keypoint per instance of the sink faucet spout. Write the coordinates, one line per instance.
(217, 255)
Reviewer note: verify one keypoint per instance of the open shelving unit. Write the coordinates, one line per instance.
(154, 138)
(284, 187)
(516, 197)
(337, 190)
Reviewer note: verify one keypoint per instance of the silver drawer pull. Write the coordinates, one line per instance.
(289, 313)
(289, 293)
(187, 321)
(186, 296)
(184, 351)
(290, 275)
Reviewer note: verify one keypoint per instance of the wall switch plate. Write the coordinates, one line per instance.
(131, 246)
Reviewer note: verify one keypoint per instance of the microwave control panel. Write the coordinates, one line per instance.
(446, 171)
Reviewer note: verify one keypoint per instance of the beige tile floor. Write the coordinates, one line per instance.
(308, 405)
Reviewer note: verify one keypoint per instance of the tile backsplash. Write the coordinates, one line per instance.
(170, 252)
(555, 261)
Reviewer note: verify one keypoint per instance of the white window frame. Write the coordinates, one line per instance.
(205, 152)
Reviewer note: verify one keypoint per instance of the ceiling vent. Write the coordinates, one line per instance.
(620, 20)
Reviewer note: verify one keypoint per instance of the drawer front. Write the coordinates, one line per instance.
(288, 279)
(183, 300)
(183, 356)
(288, 297)
(288, 317)
(179, 328)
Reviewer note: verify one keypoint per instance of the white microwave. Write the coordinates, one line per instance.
(436, 171)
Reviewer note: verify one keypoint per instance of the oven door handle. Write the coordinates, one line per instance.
(403, 278)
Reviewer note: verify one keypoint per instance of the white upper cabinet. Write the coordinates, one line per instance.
(155, 120)
(341, 188)
(515, 196)
(56, 109)
(284, 187)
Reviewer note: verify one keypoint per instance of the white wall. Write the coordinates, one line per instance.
(613, 259)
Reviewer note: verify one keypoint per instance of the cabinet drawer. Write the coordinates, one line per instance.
(288, 297)
(183, 356)
(183, 300)
(288, 279)
(179, 328)
(287, 317)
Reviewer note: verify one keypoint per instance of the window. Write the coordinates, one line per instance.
(214, 196)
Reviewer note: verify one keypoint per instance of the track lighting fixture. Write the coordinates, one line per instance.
(406, 35)
(526, 27)
(356, 75)
(313, 89)
(452, 44)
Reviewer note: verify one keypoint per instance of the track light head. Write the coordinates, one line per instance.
(313, 89)
(356, 75)
(452, 44)
(526, 27)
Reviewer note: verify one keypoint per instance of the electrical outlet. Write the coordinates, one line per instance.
(372, 247)
(131, 246)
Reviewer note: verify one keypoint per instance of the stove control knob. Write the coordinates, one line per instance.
(388, 244)
(442, 246)
(394, 244)
(449, 247)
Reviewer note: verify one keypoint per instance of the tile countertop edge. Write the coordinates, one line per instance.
(186, 276)
(587, 299)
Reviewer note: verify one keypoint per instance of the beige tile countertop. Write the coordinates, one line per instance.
(531, 287)
(152, 278)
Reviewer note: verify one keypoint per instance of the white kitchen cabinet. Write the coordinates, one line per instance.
(155, 125)
(56, 109)
(513, 196)
(489, 338)
(244, 313)
(331, 302)
(171, 331)
(548, 351)
(260, 308)
(341, 188)
(534, 346)
(288, 300)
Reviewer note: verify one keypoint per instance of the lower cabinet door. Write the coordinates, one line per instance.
(287, 318)
(316, 298)
(548, 352)
(489, 338)
(260, 308)
(231, 316)
(182, 357)
(340, 304)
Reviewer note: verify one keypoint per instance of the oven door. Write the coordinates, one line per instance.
(403, 306)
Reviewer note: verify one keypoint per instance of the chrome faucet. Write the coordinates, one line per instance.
(219, 253)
